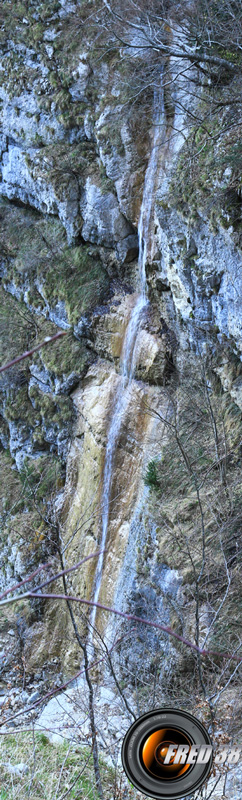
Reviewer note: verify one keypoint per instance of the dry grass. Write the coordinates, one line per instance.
(48, 771)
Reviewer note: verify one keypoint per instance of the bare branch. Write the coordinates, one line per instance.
(48, 340)
(164, 628)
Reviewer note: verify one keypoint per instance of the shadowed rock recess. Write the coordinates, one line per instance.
(98, 173)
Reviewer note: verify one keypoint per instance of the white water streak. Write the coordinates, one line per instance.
(128, 358)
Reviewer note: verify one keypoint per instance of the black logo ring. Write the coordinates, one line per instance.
(145, 748)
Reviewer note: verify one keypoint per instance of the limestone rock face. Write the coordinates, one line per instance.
(32, 187)
(23, 122)
(205, 277)
(74, 150)
(103, 222)
(82, 499)
(51, 101)
(79, 87)
(120, 152)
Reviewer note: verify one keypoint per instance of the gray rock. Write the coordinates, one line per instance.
(57, 439)
(58, 315)
(32, 698)
(24, 697)
(24, 177)
(67, 8)
(115, 164)
(209, 288)
(49, 50)
(40, 378)
(22, 120)
(81, 327)
(20, 442)
(17, 181)
(103, 222)
(88, 126)
(3, 267)
(78, 89)
(50, 34)
(67, 384)
(16, 769)
(128, 249)
(14, 290)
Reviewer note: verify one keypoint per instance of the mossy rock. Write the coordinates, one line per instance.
(68, 355)
(19, 408)
(25, 495)
(40, 478)
(17, 331)
(78, 278)
(53, 409)
(38, 255)
(11, 499)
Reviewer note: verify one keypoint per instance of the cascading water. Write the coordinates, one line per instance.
(128, 358)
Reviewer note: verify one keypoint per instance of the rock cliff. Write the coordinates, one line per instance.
(74, 152)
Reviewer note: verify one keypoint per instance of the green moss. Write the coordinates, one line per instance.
(18, 407)
(81, 281)
(53, 409)
(34, 299)
(68, 355)
(38, 140)
(36, 249)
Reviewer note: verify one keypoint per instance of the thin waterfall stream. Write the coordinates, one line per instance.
(129, 355)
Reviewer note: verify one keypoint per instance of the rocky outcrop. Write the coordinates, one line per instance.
(104, 224)
(202, 268)
(80, 519)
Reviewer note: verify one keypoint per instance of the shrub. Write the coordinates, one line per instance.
(151, 477)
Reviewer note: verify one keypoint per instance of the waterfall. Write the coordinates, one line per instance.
(128, 357)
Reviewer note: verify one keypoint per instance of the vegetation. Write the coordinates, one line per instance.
(151, 477)
(36, 411)
(197, 505)
(208, 173)
(203, 41)
(29, 490)
(48, 770)
(37, 256)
